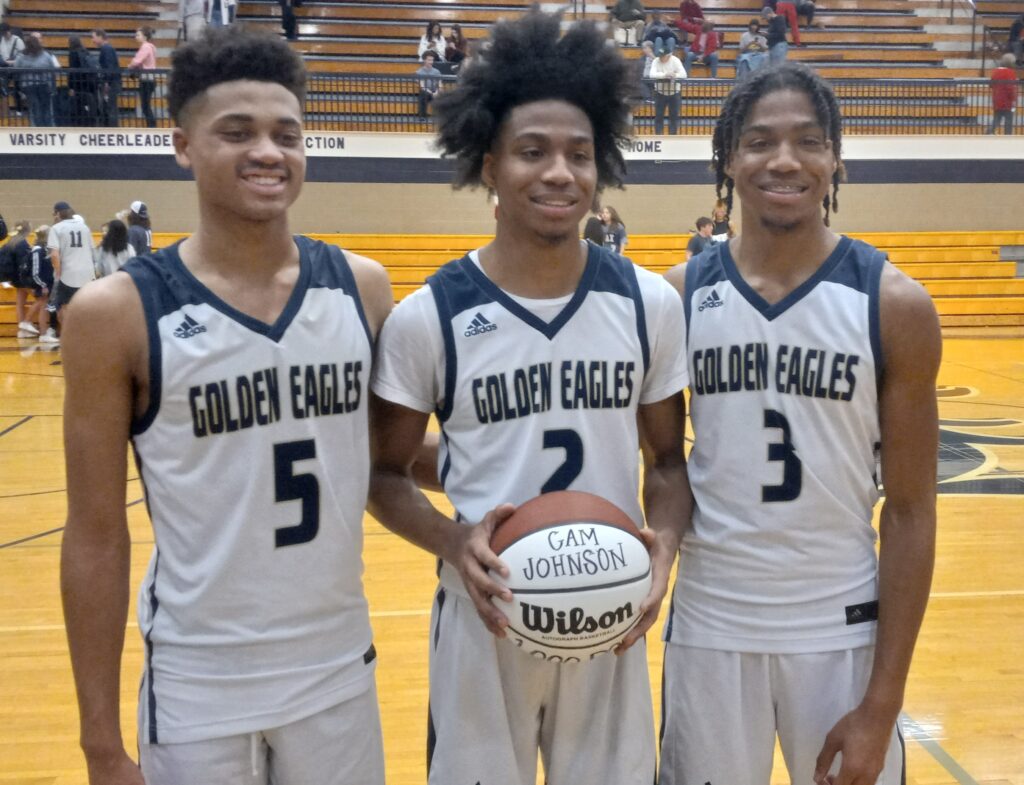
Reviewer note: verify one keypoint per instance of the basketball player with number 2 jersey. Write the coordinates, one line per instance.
(237, 363)
(810, 357)
(538, 353)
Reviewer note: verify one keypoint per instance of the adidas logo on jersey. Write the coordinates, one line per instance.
(188, 328)
(479, 326)
(712, 301)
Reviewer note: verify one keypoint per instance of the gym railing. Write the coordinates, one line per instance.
(390, 103)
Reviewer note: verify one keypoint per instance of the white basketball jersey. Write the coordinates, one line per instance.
(255, 459)
(780, 557)
(74, 241)
(535, 395)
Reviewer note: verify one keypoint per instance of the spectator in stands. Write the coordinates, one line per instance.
(140, 232)
(658, 32)
(110, 79)
(288, 21)
(615, 237)
(145, 60)
(83, 83)
(787, 9)
(702, 239)
(1004, 94)
(192, 18)
(113, 251)
(643, 71)
(1016, 40)
(221, 13)
(433, 41)
(690, 13)
(457, 48)
(704, 49)
(807, 9)
(38, 86)
(11, 46)
(667, 71)
(430, 82)
(627, 16)
(775, 26)
(753, 50)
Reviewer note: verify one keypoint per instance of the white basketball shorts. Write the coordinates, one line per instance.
(492, 707)
(338, 746)
(723, 710)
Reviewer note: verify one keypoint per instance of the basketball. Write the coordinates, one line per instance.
(578, 572)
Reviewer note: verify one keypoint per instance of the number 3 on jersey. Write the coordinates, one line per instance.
(289, 486)
(792, 468)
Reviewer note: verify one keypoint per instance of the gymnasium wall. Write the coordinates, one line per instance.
(370, 183)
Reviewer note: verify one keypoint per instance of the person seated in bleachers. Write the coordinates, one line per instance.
(704, 49)
(457, 48)
(1016, 40)
(644, 63)
(433, 41)
(430, 83)
(627, 16)
(690, 13)
(658, 32)
(11, 45)
(753, 50)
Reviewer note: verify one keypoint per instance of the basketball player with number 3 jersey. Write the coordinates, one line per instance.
(237, 364)
(539, 354)
(810, 358)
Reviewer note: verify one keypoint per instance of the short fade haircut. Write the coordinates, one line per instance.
(527, 60)
(228, 54)
(785, 76)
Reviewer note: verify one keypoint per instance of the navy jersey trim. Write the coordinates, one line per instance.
(348, 283)
(875, 267)
(641, 314)
(154, 604)
(446, 467)
(703, 269)
(771, 312)
(274, 331)
(595, 258)
(439, 289)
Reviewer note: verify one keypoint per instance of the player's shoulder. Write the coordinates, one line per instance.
(106, 315)
(701, 269)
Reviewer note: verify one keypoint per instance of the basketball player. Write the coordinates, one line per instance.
(236, 363)
(810, 355)
(573, 345)
(70, 245)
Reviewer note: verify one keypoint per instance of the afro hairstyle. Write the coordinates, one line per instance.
(227, 54)
(528, 60)
(786, 76)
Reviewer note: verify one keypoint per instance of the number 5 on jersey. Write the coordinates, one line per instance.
(289, 486)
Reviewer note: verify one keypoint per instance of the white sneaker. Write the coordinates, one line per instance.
(26, 333)
(49, 337)
(28, 327)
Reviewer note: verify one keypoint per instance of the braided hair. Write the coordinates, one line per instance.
(528, 60)
(787, 76)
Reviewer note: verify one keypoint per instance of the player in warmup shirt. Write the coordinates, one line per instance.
(538, 353)
(70, 245)
(236, 363)
(810, 358)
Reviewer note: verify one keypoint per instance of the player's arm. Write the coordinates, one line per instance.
(103, 344)
(911, 350)
(668, 502)
(55, 261)
(396, 440)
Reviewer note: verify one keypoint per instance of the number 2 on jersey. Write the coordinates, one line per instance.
(289, 486)
(792, 468)
(570, 441)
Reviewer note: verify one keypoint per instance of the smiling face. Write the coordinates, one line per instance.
(542, 168)
(243, 142)
(783, 163)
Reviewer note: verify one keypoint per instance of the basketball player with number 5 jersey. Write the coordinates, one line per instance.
(237, 364)
(538, 353)
(810, 357)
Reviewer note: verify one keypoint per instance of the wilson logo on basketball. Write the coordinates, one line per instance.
(575, 621)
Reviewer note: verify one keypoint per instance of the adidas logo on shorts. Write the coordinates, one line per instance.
(188, 328)
(712, 301)
(479, 326)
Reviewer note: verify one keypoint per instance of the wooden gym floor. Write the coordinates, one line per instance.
(965, 701)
